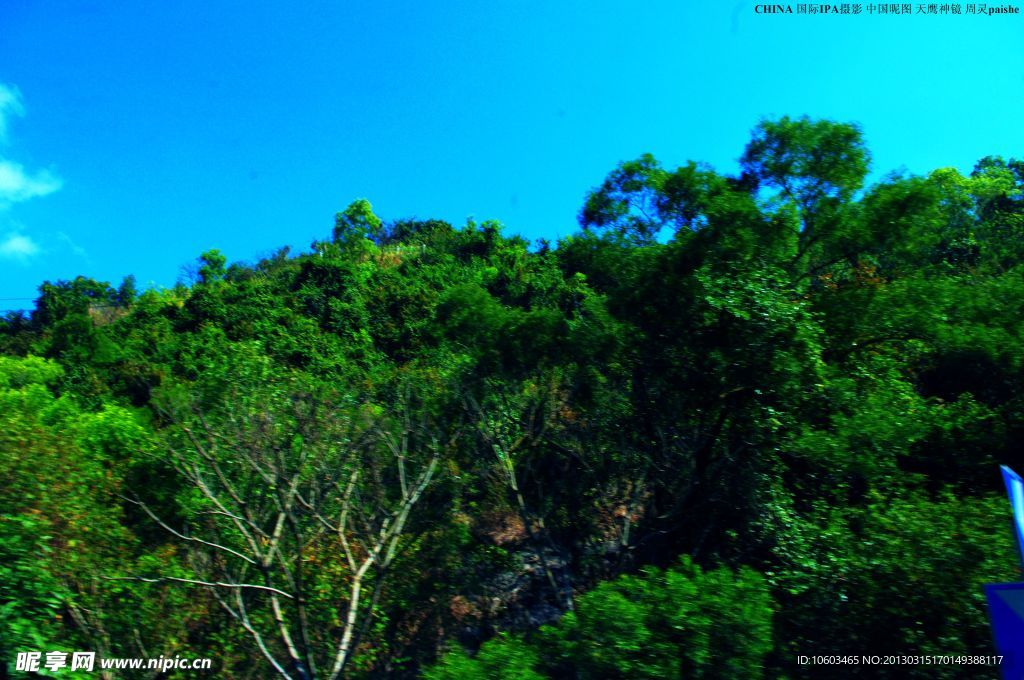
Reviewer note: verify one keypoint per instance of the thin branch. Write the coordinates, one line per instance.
(197, 582)
(186, 537)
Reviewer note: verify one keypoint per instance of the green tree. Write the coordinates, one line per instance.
(679, 623)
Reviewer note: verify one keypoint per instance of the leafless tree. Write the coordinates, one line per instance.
(298, 511)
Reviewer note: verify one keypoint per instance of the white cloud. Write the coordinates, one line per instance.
(74, 247)
(17, 185)
(18, 247)
(10, 105)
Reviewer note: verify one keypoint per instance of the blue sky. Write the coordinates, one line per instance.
(136, 135)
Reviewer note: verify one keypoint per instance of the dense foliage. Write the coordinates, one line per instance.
(733, 420)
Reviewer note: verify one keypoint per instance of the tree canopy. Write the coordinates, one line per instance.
(732, 420)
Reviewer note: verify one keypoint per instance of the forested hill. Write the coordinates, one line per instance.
(733, 420)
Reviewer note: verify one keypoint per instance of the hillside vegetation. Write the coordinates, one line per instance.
(732, 420)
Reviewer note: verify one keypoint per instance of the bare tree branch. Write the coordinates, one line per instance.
(197, 582)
